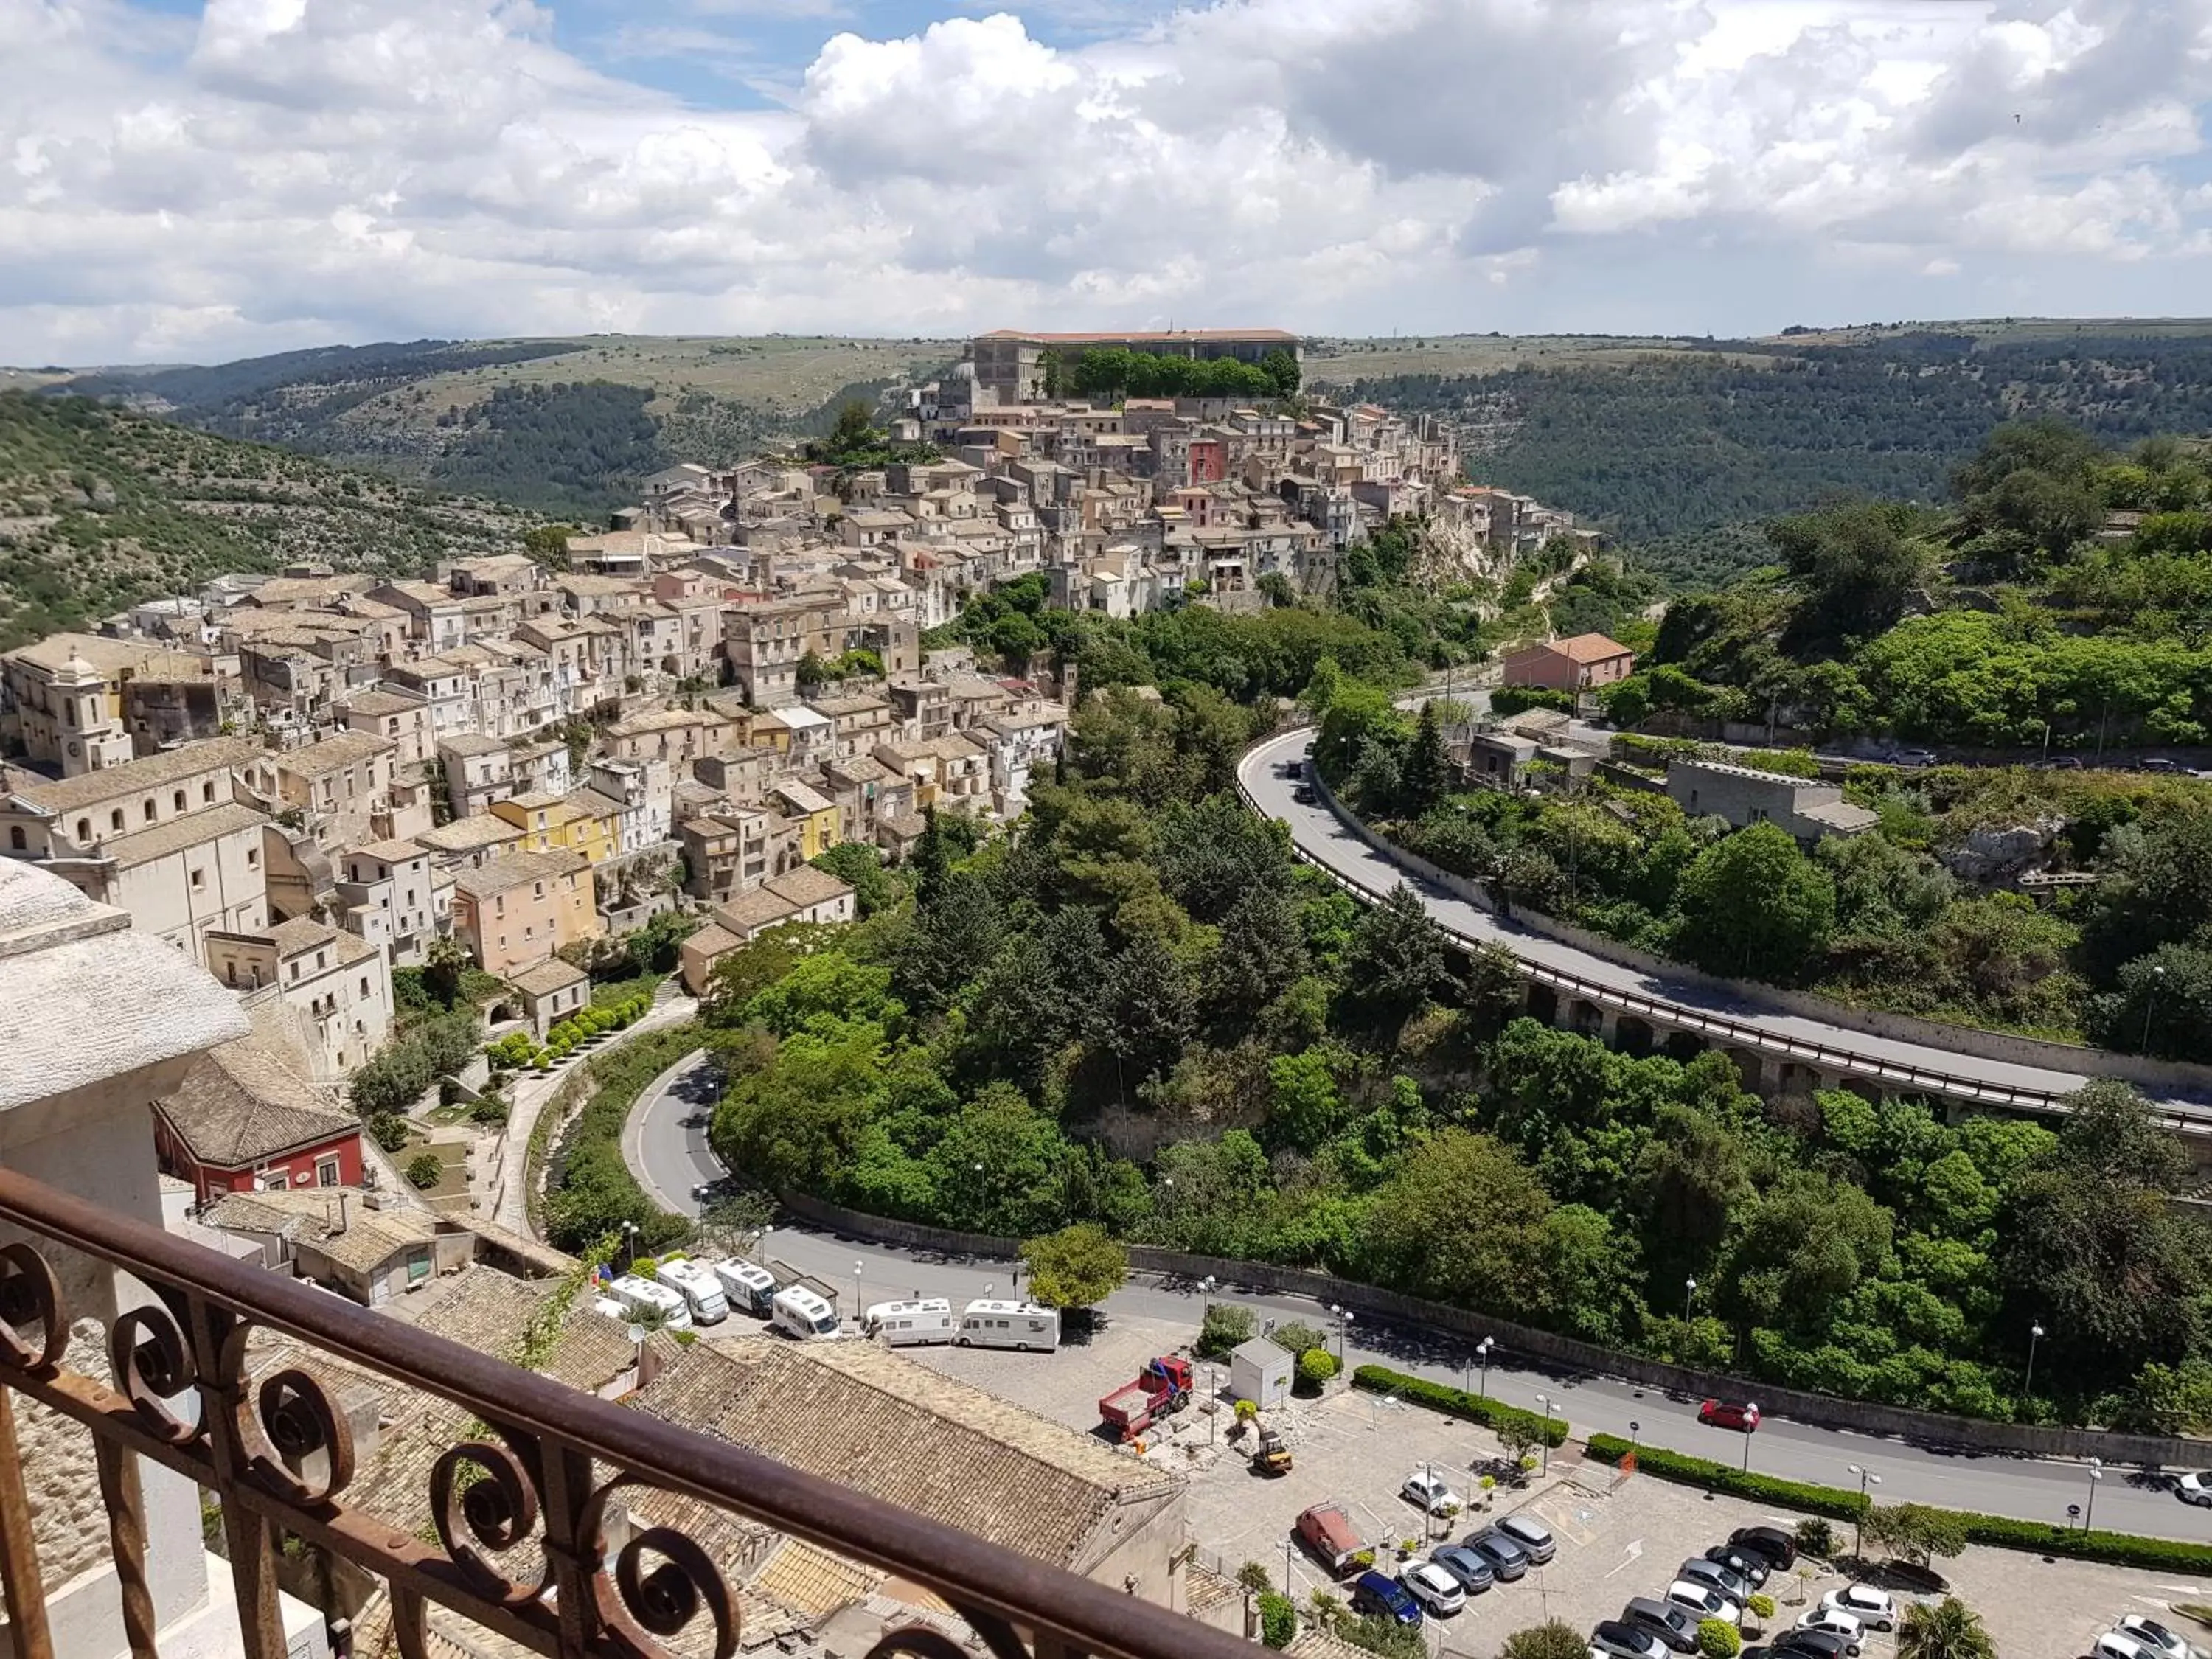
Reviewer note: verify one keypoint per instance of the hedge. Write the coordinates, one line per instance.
(1457, 1403)
(2117, 1549)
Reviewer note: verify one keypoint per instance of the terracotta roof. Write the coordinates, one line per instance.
(241, 1103)
(965, 1457)
(391, 852)
(377, 701)
(1590, 647)
(338, 750)
(466, 835)
(807, 885)
(90, 788)
(191, 830)
(547, 977)
(503, 875)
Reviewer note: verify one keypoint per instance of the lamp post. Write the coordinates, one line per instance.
(1753, 1407)
(1635, 1428)
(1207, 1286)
(2157, 984)
(2034, 1336)
(1545, 1401)
(2096, 1473)
(630, 1243)
(857, 1268)
(1857, 1520)
(1689, 1294)
(1483, 1348)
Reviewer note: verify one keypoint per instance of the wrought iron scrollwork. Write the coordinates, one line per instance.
(637, 1606)
(296, 1420)
(498, 1508)
(29, 1295)
(152, 1363)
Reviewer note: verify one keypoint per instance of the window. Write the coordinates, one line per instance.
(364, 985)
(199, 878)
(230, 972)
(115, 819)
(146, 807)
(254, 858)
(295, 970)
(322, 958)
(207, 790)
(16, 839)
(84, 830)
(179, 800)
(326, 1172)
(272, 1181)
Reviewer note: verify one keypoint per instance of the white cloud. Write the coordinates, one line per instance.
(291, 171)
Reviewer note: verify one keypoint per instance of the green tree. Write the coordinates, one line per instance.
(443, 965)
(875, 889)
(1279, 1619)
(1753, 905)
(1262, 955)
(1855, 564)
(1151, 1011)
(797, 1121)
(424, 1171)
(1915, 1532)
(1225, 1328)
(1395, 965)
(1304, 1108)
(1461, 1221)
(1425, 772)
(1948, 1629)
(1554, 1639)
(1718, 1640)
(1078, 1266)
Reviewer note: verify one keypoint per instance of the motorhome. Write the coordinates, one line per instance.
(1018, 1325)
(907, 1324)
(637, 1295)
(798, 1311)
(695, 1283)
(751, 1288)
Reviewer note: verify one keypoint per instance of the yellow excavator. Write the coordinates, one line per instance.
(1271, 1455)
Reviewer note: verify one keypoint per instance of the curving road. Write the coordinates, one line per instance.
(1324, 839)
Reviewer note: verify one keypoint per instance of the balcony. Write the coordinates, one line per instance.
(540, 1515)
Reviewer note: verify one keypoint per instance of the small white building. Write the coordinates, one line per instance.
(1260, 1371)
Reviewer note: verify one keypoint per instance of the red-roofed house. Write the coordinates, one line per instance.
(1581, 664)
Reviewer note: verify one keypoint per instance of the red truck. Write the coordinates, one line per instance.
(1161, 1388)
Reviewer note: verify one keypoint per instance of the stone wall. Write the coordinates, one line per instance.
(1375, 1304)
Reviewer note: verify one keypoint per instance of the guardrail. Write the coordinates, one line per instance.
(1681, 1017)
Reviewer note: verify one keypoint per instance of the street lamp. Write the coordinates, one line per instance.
(1545, 1401)
(1635, 1428)
(1207, 1286)
(2034, 1336)
(856, 1289)
(1753, 1408)
(1483, 1348)
(1689, 1294)
(2157, 984)
(2096, 1473)
(1865, 1479)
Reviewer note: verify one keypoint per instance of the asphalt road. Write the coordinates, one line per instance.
(665, 1146)
(1323, 837)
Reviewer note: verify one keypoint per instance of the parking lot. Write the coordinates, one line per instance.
(1617, 1537)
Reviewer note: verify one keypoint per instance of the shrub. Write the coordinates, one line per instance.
(488, 1109)
(424, 1171)
(1549, 1640)
(1255, 1577)
(1457, 1403)
(1833, 1501)
(1227, 1326)
(1315, 1367)
(642, 1267)
(1718, 1640)
(1279, 1619)
(1298, 1338)
(1760, 1605)
(1816, 1537)
(388, 1130)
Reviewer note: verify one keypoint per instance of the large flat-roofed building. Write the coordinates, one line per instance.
(1011, 363)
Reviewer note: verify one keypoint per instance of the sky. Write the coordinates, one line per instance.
(183, 181)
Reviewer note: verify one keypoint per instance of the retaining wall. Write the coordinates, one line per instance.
(1371, 1302)
(2167, 1078)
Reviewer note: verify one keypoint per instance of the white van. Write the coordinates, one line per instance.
(797, 1311)
(905, 1324)
(635, 1293)
(695, 1283)
(749, 1288)
(1019, 1325)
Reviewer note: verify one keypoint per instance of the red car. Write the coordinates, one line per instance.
(1726, 1414)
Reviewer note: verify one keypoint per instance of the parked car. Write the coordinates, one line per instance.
(1531, 1535)
(1732, 1585)
(2162, 763)
(1620, 1638)
(1775, 1545)
(1916, 758)
(1378, 1595)
(2118, 1645)
(2195, 1488)
(1472, 1571)
(1811, 1644)
(1427, 1492)
(1872, 1607)
(1508, 1561)
(1675, 1626)
(1704, 1599)
(1730, 1414)
(1749, 1563)
(1436, 1591)
(2153, 1634)
(1834, 1623)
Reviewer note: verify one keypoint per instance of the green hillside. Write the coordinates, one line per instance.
(100, 508)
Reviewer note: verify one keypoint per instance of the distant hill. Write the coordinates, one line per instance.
(100, 508)
(569, 425)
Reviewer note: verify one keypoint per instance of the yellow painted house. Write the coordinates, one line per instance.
(815, 814)
(551, 823)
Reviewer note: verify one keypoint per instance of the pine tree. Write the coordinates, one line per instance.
(1425, 773)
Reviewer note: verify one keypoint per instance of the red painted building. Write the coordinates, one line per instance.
(1209, 460)
(245, 1121)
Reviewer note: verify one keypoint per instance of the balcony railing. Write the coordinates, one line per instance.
(521, 1512)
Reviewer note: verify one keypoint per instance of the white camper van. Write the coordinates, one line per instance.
(906, 1324)
(1010, 1325)
(635, 1294)
(797, 1311)
(748, 1287)
(695, 1283)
